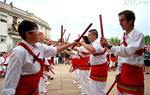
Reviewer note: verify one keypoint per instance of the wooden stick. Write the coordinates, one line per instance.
(68, 37)
(111, 87)
(64, 32)
(56, 43)
(61, 39)
(61, 33)
(101, 26)
(115, 81)
(83, 33)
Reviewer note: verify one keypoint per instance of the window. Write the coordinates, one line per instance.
(3, 18)
(3, 39)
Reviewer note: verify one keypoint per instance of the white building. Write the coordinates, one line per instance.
(10, 17)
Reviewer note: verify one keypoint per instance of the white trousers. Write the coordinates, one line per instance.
(84, 81)
(41, 84)
(97, 88)
(119, 93)
(76, 74)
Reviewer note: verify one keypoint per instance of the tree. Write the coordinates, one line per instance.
(147, 40)
(114, 41)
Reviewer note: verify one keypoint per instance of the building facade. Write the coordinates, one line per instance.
(10, 17)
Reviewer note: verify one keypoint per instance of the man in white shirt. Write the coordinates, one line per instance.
(131, 78)
(98, 62)
(84, 67)
(25, 65)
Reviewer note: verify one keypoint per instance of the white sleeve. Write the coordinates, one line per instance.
(134, 45)
(80, 49)
(46, 61)
(98, 47)
(1, 60)
(111, 64)
(118, 69)
(13, 73)
(49, 51)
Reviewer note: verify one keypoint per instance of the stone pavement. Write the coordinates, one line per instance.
(63, 82)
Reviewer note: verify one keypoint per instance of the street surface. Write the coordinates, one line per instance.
(63, 82)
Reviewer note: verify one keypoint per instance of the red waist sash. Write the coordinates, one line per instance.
(28, 84)
(99, 72)
(98, 54)
(75, 62)
(83, 65)
(113, 59)
(50, 62)
(131, 80)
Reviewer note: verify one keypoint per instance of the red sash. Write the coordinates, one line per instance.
(50, 62)
(131, 80)
(124, 40)
(85, 53)
(75, 63)
(113, 58)
(46, 68)
(97, 54)
(83, 65)
(99, 72)
(28, 84)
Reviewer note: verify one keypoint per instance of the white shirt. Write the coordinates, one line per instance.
(99, 59)
(83, 49)
(46, 61)
(74, 55)
(1, 60)
(21, 63)
(135, 41)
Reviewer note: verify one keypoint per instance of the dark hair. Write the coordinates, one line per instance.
(86, 40)
(129, 15)
(25, 26)
(94, 31)
(112, 55)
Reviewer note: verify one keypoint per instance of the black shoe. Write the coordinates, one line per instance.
(51, 78)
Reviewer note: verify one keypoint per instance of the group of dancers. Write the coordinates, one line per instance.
(26, 65)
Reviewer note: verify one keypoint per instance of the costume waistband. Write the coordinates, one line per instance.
(99, 64)
(99, 72)
(131, 79)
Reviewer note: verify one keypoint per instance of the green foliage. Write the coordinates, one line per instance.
(147, 40)
(114, 41)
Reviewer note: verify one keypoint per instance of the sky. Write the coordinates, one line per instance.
(76, 15)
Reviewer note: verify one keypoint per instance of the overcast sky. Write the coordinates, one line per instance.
(76, 15)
